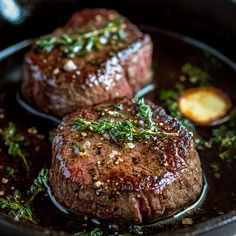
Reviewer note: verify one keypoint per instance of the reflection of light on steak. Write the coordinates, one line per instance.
(57, 83)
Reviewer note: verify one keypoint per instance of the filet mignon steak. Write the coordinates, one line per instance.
(123, 161)
(98, 55)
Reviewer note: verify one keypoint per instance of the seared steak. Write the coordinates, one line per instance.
(135, 174)
(59, 82)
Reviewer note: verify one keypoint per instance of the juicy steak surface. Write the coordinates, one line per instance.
(134, 181)
(58, 83)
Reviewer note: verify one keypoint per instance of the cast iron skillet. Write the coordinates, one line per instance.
(212, 22)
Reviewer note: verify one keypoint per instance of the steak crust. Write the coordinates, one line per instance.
(57, 84)
(142, 181)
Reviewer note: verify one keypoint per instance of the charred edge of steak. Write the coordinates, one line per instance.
(58, 84)
(143, 181)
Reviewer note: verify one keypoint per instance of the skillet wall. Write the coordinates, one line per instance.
(211, 21)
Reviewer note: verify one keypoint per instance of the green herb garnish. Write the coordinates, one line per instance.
(124, 130)
(225, 138)
(81, 43)
(169, 98)
(201, 77)
(20, 209)
(145, 112)
(13, 140)
(94, 232)
(39, 183)
(16, 207)
(10, 171)
(136, 230)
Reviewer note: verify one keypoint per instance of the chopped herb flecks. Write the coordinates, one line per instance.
(13, 140)
(196, 75)
(10, 171)
(94, 232)
(224, 137)
(81, 43)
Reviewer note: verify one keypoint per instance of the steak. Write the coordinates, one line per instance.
(57, 82)
(125, 176)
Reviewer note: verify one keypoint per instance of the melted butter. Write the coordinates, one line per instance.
(203, 105)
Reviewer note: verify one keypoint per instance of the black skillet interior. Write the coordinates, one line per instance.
(212, 22)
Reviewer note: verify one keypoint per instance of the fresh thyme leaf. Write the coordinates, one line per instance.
(123, 130)
(38, 185)
(13, 140)
(46, 44)
(16, 207)
(224, 137)
(136, 230)
(169, 98)
(118, 107)
(94, 232)
(200, 76)
(145, 112)
(81, 43)
(10, 171)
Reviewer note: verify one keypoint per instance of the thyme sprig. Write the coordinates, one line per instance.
(14, 140)
(38, 184)
(145, 112)
(126, 129)
(81, 43)
(22, 209)
(17, 207)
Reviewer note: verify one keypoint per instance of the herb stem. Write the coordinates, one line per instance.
(13, 140)
(81, 43)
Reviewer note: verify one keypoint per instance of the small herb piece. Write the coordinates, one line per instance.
(169, 97)
(81, 43)
(51, 135)
(118, 107)
(136, 230)
(94, 232)
(39, 183)
(13, 140)
(196, 74)
(46, 44)
(225, 138)
(10, 171)
(145, 112)
(16, 207)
